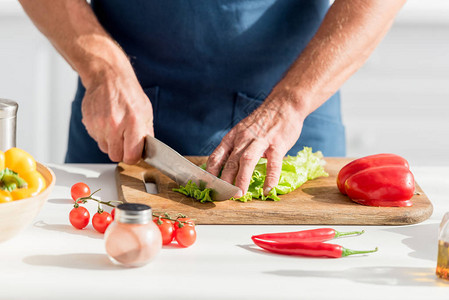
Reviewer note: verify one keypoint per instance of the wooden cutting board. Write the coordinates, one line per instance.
(316, 202)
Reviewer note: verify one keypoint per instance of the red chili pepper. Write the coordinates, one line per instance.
(306, 236)
(382, 186)
(308, 249)
(365, 163)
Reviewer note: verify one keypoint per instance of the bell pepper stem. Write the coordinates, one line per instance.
(10, 180)
(346, 252)
(340, 234)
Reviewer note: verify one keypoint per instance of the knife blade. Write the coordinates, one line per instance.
(181, 170)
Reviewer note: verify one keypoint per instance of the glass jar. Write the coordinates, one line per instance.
(8, 112)
(133, 239)
(443, 249)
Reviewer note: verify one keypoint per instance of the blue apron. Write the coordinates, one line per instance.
(205, 65)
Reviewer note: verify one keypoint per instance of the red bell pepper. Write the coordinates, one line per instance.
(313, 249)
(306, 236)
(391, 185)
(365, 163)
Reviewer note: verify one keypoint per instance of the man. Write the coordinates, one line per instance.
(235, 79)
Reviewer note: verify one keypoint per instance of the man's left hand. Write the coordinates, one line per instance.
(270, 131)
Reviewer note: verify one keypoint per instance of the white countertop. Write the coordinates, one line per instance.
(52, 260)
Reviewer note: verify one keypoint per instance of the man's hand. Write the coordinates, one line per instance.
(349, 33)
(116, 111)
(270, 131)
(118, 115)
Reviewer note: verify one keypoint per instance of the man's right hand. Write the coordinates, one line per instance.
(118, 115)
(116, 111)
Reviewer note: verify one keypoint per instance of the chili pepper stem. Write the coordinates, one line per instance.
(346, 252)
(340, 234)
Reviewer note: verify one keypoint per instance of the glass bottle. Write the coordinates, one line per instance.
(133, 239)
(443, 249)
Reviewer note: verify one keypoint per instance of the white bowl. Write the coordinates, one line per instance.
(17, 215)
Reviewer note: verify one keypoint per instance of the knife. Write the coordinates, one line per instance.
(181, 170)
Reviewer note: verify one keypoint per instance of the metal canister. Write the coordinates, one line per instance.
(8, 117)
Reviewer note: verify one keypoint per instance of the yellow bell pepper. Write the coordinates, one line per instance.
(35, 184)
(19, 161)
(5, 196)
(19, 178)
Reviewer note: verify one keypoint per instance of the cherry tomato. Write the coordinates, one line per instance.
(188, 222)
(113, 213)
(79, 190)
(79, 217)
(167, 230)
(185, 236)
(101, 221)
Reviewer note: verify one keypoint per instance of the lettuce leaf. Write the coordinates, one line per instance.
(194, 191)
(296, 170)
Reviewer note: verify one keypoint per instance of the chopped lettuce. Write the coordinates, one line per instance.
(194, 191)
(296, 170)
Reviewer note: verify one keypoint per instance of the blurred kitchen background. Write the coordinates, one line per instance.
(398, 102)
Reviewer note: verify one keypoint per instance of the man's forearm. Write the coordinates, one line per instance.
(116, 112)
(75, 32)
(349, 33)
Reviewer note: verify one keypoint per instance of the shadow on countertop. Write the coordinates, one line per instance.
(378, 275)
(421, 238)
(88, 232)
(83, 261)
